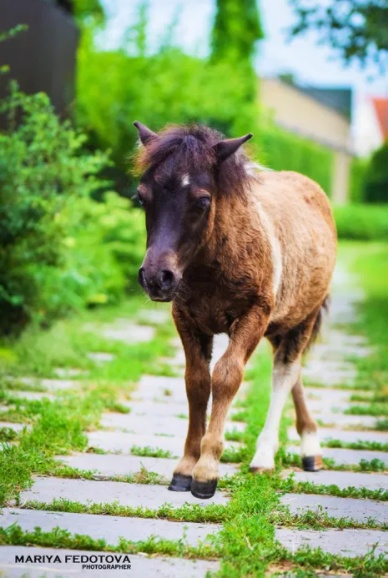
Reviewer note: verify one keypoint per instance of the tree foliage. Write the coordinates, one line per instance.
(169, 86)
(236, 30)
(357, 29)
(59, 249)
(376, 179)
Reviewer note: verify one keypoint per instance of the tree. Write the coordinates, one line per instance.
(357, 29)
(236, 30)
(376, 181)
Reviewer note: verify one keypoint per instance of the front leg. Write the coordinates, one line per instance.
(226, 379)
(198, 347)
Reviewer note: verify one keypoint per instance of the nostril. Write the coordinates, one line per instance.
(167, 279)
(141, 277)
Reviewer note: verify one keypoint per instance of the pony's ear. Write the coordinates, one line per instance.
(145, 134)
(227, 147)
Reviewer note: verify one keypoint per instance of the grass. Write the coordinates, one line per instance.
(358, 445)
(59, 426)
(247, 544)
(148, 452)
(374, 465)
(59, 538)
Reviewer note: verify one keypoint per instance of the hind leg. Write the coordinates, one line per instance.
(306, 426)
(286, 370)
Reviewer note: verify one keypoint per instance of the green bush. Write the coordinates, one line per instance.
(358, 171)
(286, 151)
(173, 87)
(362, 222)
(376, 178)
(60, 250)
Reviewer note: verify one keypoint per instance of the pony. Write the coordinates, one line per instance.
(242, 251)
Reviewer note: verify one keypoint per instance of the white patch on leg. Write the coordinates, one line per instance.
(284, 378)
(309, 445)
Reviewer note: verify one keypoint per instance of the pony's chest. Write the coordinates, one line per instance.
(215, 311)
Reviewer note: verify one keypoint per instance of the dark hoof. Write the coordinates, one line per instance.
(204, 490)
(312, 463)
(180, 483)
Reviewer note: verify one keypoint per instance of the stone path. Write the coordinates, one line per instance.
(157, 423)
(156, 426)
(329, 367)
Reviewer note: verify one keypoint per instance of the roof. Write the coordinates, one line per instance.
(339, 99)
(381, 108)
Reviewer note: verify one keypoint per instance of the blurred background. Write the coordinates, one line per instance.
(307, 78)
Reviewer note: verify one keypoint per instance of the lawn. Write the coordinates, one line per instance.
(246, 544)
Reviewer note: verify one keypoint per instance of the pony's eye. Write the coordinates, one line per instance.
(203, 203)
(139, 198)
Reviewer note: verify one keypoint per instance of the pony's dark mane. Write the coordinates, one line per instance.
(191, 148)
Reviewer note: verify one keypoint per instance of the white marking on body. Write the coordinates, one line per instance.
(275, 249)
(284, 377)
(309, 445)
(185, 180)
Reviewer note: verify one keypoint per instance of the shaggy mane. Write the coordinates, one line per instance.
(191, 148)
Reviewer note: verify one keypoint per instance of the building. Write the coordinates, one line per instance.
(371, 124)
(320, 115)
(42, 57)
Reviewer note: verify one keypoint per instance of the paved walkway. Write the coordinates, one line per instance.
(328, 368)
(156, 423)
(156, 426)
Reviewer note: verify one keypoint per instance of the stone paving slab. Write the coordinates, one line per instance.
(159, 425)
(66, 372)
(101, 357)
(326, 434)
(328, 395)
(347, 457)
(317, 406)
(342, 420)
(156, 316)
(327, 376)
(17, 427)
(45, 490)
(165, 388)
(120, 465)
(349, 543)
(108, 528)
(112, 441)
(343, 480)
(141, 566)
(349, 508)
(337, 349)
(128, 332)
(51, 384)
(32, 395)
(150, 409)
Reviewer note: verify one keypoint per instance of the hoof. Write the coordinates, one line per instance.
(312, 463)
(180, 483)
(204, 490)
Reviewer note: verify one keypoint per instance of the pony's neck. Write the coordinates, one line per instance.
(233, 230)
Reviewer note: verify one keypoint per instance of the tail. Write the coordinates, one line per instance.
(318, 321)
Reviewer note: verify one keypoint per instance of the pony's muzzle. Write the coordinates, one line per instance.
(160, 285)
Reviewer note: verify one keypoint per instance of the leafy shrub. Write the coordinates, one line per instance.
(170, 86)
(59, 248)
(358, 171)
(286, 151)
(363, 222)
(376, 179)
